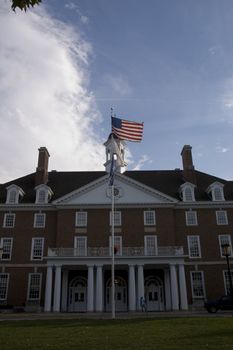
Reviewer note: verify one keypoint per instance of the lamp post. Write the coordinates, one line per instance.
(226, 251)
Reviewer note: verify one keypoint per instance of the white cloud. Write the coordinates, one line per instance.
(119, 85)
(44, 97)
(221, 149)
(144, 159)
(73, 7)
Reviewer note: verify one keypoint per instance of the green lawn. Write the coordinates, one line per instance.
(143, 334)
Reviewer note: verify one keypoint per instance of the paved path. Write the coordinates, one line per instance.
(101, 316)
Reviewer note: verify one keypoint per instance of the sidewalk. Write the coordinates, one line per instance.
(106, 315)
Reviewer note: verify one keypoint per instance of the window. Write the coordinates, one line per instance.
(150, 242)
(80, 245)
(187, 192)
(117, 218)
(81, 218)
(34, 286)
(191, 218)
(117, 245)
(13, 193)
(43, 194)
(9, 220)
(224, 239)
(227, 281)
(197, 282)
(194, 246)
(6, 244)
(39, 220)
(221, 217)
(149, 217)
(4, 281)
(216, 192)
(37, 248)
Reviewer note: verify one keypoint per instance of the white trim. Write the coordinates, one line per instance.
(225, 217)
(2, 246)
(32, 248)
(76, 238)
(194, 218)
(117, 218)
(47, 191)
(5, 219)
(211, 189)
(18, 192)
(228, 240)
(83, 220)
(145, 212)
(35, 220)
(203, 284)
(29, 286)
(197, 237)
(7, 285)
(147, 252)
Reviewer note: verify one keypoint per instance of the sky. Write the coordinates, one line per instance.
(167, 63)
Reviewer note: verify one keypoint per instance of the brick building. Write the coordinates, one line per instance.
(55, 234)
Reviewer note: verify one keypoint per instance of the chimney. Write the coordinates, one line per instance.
(42, 167)
(189, 174)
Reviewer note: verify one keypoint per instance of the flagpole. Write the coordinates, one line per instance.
(113, 257)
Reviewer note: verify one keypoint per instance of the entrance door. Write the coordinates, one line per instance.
(154, 294)
(120, 295)
(78, 295)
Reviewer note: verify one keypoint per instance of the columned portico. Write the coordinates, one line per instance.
(183, 290)
(57, 290)
(90, 289)
(132, 288)
(140, 289)
(64, 290)
(174, 288)
(48, 289)
(99, 288)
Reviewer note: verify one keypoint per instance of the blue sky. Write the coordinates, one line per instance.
(166, 63)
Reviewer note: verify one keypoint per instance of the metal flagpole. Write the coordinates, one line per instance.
(113, 256)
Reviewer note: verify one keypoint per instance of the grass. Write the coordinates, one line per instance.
(143, 334)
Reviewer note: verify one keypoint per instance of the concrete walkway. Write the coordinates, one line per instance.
(105, 315)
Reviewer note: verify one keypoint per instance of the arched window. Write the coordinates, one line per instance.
(13, 194)
(187, 192)
(215, 190)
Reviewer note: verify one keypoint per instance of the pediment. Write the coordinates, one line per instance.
(127, 192)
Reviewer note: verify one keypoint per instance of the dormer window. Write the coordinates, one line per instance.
(216, 192)
(187, 192)
(14, 192)
(43, 194)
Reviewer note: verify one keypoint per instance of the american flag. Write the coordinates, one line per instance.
(127, 130)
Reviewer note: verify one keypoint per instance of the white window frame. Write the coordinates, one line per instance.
(37, 256)
(202, 284)
(30, 275)
(218, 219)
(81, 219)
(7, 248)
(117, 244)
(5, 286)
(190, 239)
(117, 218)
(6, 216)
(37, 221)
(191, 218)
(150, 251)
(149, 218)
(227, 281)
(224, 239)
(80, 251)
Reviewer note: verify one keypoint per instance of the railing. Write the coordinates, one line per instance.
(105, 252)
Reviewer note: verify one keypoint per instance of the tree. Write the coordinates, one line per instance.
(24, 4)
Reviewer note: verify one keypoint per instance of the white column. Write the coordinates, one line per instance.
(57, 290)
(99, 289)
(167, 290)
(132, 288)
(141, 291)
(183, 289)
(48, 289)
(64, 290)
(174, 288)
(90, 287)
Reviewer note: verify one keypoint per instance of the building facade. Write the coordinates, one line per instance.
(55, 236)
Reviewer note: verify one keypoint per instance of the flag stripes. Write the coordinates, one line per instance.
(127, 130)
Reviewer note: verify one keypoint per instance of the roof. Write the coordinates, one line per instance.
(165, 181)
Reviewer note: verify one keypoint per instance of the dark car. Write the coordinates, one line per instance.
(225, 302)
